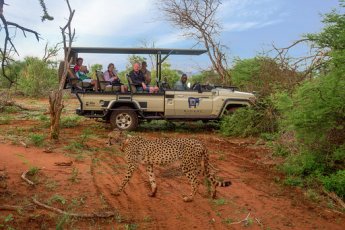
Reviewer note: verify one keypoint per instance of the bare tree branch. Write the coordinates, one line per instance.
(9, 46)
(199, 19)
(305, 64)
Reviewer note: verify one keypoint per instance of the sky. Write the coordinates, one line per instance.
(248, 27)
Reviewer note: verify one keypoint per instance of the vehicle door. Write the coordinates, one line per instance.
(191, 103)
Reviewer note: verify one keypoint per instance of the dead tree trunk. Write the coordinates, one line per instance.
(56, 97)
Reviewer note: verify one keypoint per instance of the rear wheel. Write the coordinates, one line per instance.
(124, 118)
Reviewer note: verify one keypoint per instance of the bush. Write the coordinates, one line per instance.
(335, 182)
(302, 164)
(37, 78)
(241, 123)
(251, 121)
(37, 139)
(70, 121)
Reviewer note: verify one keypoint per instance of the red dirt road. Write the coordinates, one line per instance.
(86, 187)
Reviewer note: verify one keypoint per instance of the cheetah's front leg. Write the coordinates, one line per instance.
(149, 170)
(130, 170)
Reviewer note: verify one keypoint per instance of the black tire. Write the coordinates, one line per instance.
(124, 118)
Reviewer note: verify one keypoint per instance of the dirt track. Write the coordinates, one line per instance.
(86, 187)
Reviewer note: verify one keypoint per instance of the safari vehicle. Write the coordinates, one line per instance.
(126, 110)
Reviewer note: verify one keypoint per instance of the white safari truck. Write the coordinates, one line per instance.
(125, 110)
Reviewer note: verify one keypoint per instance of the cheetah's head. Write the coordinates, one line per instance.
(118, 137)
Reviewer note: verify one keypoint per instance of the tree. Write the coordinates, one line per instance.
(199, 19)
(94, 69)
(55, 98)
(8, 46)
(264, 75)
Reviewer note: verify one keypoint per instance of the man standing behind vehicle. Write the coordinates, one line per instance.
(146, 72)
(147, 75)
(182, 83)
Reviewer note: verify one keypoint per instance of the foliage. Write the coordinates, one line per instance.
(241, 123)
(36, 139)
(171, 76)
(37, 78)
(315, 112)
(335, 182)
(94, 69)
(251, 121)
(13, 72)
(70, 121)
(207, 76)
(134, 59)
(33, 170)
(263, 75)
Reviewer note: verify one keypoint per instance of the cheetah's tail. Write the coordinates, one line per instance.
(213, 180)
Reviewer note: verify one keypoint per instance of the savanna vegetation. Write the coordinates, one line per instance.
(299, 112)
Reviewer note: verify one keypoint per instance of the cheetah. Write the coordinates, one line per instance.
(162, 151)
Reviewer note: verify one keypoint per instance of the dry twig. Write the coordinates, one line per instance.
(63, 163)
(93, 215)
(23, 144)
(244, 220)
(26, 179)
(10, 207)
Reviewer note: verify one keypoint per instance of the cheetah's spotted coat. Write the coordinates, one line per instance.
(188, 152)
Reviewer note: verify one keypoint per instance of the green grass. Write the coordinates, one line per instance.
(220, 201)
(37, 139)
(56, 198)
(131, 226)
(70, 121)
(33, 170)
(227, 221)
(5, 119)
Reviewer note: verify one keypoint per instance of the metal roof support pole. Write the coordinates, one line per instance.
(166, 56)
(159, 66)
(157, 79)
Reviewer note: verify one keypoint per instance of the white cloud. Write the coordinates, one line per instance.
(242, 15)
(242, 26)
(169, 39)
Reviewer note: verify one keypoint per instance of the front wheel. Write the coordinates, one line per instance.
(124, 118)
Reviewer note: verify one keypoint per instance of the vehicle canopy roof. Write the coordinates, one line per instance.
(152, 51)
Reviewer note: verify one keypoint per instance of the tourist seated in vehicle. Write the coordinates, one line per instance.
(111, 76)
(78, 64)
(81, 74)
(138, 80)
(182, 83)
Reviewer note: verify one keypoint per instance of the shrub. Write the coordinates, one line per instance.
(37, 78)
(36, 139)
(250, 121)
(335, 182)
(241, 123)
(302, 164)
(70, 121)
